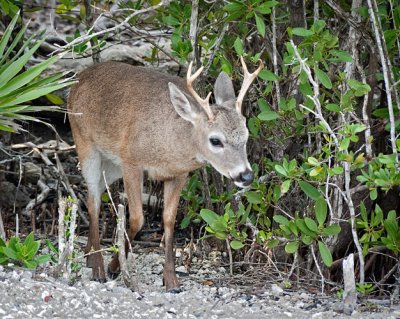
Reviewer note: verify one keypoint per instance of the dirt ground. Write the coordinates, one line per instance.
(208, 292)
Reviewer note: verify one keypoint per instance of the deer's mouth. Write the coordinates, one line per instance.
(244, 179)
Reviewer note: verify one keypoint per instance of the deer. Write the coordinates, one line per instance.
(127, 120)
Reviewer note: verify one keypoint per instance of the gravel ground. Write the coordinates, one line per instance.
(30, 294)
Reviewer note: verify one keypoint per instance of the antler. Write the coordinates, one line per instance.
(205, 104)
(248, 79)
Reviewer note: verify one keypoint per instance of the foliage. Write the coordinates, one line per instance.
(22, 253)
(379, 231)
(19, 87)
(227, 226)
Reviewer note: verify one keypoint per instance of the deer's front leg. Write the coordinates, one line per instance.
(172, 192)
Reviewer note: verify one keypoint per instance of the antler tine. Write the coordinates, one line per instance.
(247, 80)
(205, 103)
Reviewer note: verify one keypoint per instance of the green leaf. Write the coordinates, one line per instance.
(236, 244)
(309, 190)
(208, 215)
(267, 75)
(331, 230)
(219, 225)
(27, 76)
(325, 254)
(337, 170)
(254, 197)
(268, 116)
(34, 94)
(306, 239)
(311, 224)
(260, 25)
(263, 105)
(7, 34)
(42, 259)
(185, 222)
(14, 68)
(321, 210)
(344, 144)
(280, 170)
(323, 78)
(30, 264)
(11, 253)
(300, 223)
(220, 235)
(342, 56)
(302, 32)
(292, 247)
(238, 46)
(55, 99)
(234, 7)
(315, 171)
(293, 227)
(285, 186)
(333, 107)
(281, 220)
(265, 8)
(313, 161)
(373, 194)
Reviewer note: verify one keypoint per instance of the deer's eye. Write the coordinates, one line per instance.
(216, 142)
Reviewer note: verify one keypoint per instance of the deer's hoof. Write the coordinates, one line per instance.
(99, 276)
(174, 290)
(112, 274)
(113, 269)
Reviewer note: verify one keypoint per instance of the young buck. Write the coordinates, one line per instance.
(126, 120)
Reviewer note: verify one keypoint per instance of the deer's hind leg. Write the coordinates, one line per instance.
(93, 166)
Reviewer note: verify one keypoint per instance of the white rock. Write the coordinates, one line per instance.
(276, 289)
(110, 285)
(181, 269)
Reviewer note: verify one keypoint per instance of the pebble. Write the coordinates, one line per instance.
(28, 298)
(276, 289)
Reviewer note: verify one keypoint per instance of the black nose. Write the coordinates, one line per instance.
(246, 177)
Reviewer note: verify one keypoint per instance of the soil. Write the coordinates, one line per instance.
(206, 293)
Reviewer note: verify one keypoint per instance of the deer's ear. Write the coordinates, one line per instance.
(181, 103)
(223, 89)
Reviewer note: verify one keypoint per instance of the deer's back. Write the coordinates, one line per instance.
(126, 109)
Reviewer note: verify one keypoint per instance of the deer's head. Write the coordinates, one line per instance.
(219, 129)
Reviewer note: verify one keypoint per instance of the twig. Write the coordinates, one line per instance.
(45, 190)
(386, 78)
(350, 292)
(350, 204)
(115, 28)
(62, 206)
(319, 269)
(216, 47)
(275, 58)
(68, 187)
(121, 231)
(228, 247)
(70, 244)
(2, 232)
(193, 28)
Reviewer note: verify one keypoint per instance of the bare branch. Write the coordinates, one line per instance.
(115, 28)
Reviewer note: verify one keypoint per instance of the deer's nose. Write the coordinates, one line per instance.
(245, 177)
